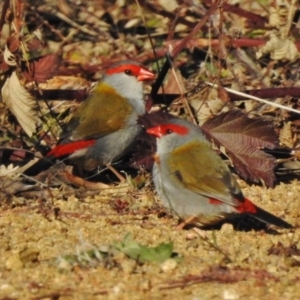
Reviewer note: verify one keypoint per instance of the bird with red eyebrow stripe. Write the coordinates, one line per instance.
(194, 182)
(105, 125)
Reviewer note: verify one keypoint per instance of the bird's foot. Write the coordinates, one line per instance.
(185, 222)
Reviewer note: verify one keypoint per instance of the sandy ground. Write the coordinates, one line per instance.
(33, 237)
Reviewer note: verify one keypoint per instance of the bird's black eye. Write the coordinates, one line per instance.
(128, 72)
(169, 131)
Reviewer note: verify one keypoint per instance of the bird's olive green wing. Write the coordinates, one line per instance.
(201, 170)
(102, 113)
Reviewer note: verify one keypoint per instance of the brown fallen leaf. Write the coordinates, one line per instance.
(242, 138)
(11, 182)
(207, 102)
(42, 68)
(20, 103)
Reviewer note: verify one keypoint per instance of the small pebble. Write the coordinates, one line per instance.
(168, 265)
(14, 262)
(226, 228)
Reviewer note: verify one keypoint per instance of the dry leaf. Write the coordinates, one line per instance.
(9, 171)
(208, 102)
(132, 23)
(9, 187)
(281, 15)
(171, 84)
(20, 103)
(13, 43)
(65, 83)
(278, 15)
(279, 49)
(66, 8)
(42, 68)
(10, 181)
(286, 136)
(168, 5)
(9, 57)
(242, 138)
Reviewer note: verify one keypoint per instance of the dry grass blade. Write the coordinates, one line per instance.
(244, 95)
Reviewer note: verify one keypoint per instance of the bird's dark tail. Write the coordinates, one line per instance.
(41, 165)
(267, 217)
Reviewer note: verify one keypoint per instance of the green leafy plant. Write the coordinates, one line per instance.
(143, 253)
(108, 255)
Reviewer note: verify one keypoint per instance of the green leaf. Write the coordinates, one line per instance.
(128, 246)
(132, 249)
(156, 254)
(143, 253)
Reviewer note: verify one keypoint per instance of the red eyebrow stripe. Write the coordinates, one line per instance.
(118, 69)
(182, 130)
(161, 130)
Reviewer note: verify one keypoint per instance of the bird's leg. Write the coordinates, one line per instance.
(113, 170)
(187, 221)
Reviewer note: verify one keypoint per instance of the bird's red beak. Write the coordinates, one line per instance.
(145, 74)
(156, 131)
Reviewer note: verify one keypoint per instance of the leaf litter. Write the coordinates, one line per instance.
(46, 218)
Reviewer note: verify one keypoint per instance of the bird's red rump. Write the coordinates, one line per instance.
(247, 207)
(70, 148)
(214, 201)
